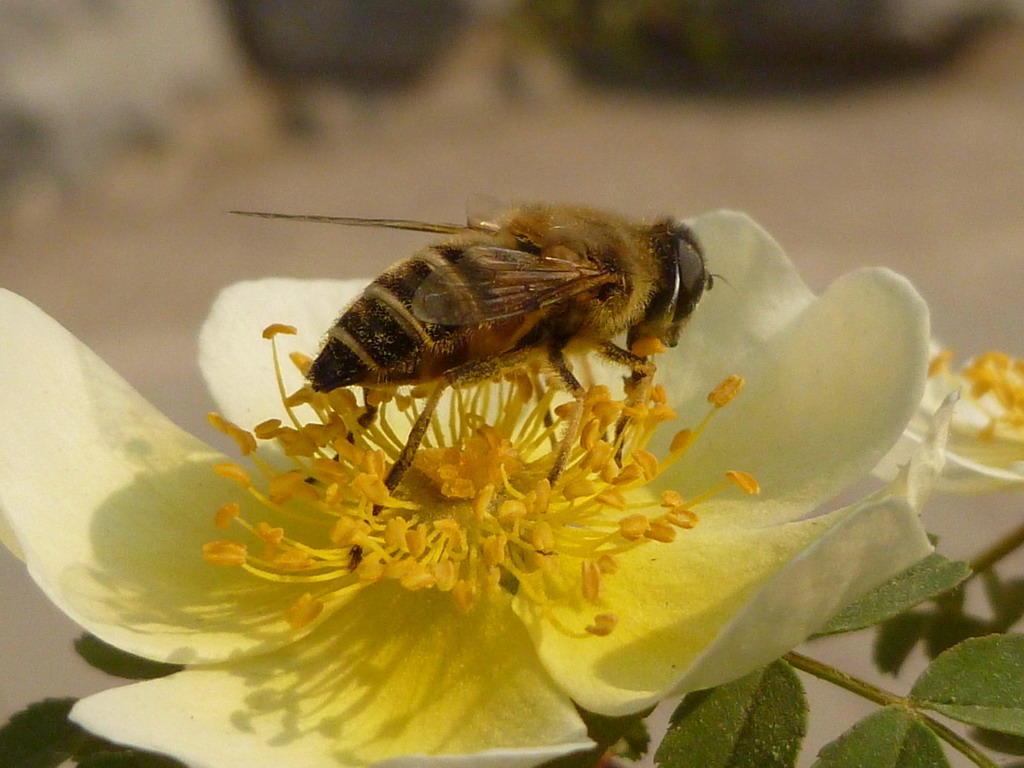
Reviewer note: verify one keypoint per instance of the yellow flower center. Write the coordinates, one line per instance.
(475, 514)
(994, 383)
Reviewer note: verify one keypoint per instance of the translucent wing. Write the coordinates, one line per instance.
(486, 283)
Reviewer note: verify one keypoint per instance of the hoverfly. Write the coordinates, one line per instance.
(522, 288)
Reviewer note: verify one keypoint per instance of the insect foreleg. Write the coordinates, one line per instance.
(637, 383)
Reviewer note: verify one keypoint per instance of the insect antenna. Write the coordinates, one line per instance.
(414, 226)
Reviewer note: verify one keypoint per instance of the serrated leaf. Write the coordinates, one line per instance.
(888, 738)
(758, 721)
(40, 736)
(114, 661)
(922, 581)
(979, 682)
(896, 638)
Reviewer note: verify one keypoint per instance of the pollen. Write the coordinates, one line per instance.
(279, 328)
(725, 392)
(993, 383)
(476, 515)
(744, 481)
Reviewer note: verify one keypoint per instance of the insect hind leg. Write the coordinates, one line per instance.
(412, 444)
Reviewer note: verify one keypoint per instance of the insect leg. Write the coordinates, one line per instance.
(639, 381)
(369, 411)
(572, 432)
(412, 444)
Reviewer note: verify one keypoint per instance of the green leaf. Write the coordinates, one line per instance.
(758, 721)
(41, 736)
(979, 682)
(888, 738)
(896, 639)
(1006, 743)
(922, 581)
(114, 661)
(1006, 599)
(947, 628)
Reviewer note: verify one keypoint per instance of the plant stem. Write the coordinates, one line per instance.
(882, 697)
(983, 561)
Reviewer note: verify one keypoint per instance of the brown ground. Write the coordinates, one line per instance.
(924, 175)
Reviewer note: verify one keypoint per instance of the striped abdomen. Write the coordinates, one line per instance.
(378, 340)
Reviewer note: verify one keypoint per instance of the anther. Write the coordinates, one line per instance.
(274, 329)
(633, 527)
(578, 488)
(723, 394)
(302, 362)
(226, 514)
(744, 481)
(225, 553)
(940, 362)
(604, 624)
(647, 346)
(231, 471)
(246, 442)
(303, 611)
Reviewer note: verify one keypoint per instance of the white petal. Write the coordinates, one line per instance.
(717, 603)
(111, 504)
(758, 295)
(398, 679)
(236, 360)
(825, 398)
(873, 542)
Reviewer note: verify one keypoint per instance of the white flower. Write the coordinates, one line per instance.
(110, 506)
(985, 451)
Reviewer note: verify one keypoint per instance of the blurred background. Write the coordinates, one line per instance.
(857, 131)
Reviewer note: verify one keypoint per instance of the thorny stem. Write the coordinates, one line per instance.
(882, 697)
(984, 561)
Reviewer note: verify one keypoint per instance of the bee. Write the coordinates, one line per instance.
(523, 288)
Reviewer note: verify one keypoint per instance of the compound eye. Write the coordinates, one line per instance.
(693, 276)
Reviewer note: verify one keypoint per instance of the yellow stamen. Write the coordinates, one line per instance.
(476, 513)
(231, 471)
(604, 624)
(647, 346)
(724, 393)
(226, 514)
(591, 581)
(303, 611)
(744, 481)
(279, 328)
(225, 553)
(246, 442)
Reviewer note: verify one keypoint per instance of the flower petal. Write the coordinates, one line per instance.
(235, 358)
(825, 399)
(715, 605)
(759, 293)
(398, 678)
(111, 504)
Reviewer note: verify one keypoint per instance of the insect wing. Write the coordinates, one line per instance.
(488, 283)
